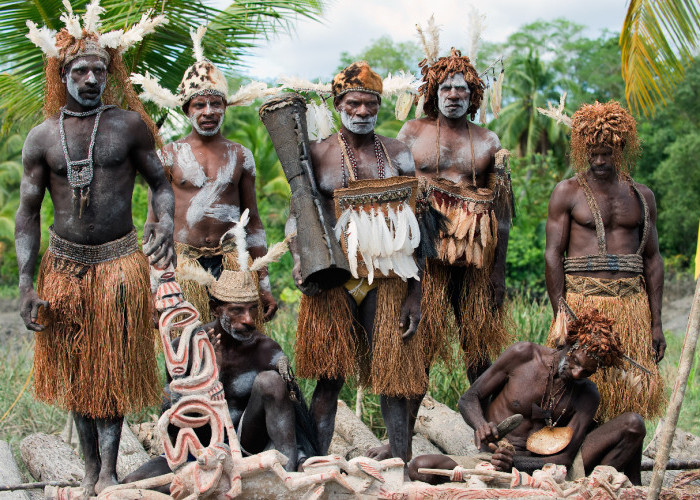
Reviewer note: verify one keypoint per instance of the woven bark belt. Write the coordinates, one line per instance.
(625, 262)
(193, 253)
(602, 287)
(93, 254)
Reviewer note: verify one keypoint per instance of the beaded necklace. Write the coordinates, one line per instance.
(550, 401)
(80, 171)
(346, 154)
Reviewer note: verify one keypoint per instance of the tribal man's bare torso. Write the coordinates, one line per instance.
(206, 180)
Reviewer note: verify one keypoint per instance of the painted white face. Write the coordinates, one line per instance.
(358, 124)
(454, 96)
(86, 79)
(206, 114)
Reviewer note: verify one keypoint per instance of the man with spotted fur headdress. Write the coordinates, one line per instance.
(462, 170)
(602, 251)
(213, 178)
(91, 310)
(557, 425)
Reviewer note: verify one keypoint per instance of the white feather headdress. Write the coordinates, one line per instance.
(203, 77)
(45, 38)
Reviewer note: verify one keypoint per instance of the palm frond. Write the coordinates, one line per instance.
(165, 54)
(658, 40)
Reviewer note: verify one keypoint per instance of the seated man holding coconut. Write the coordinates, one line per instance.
(550, 388)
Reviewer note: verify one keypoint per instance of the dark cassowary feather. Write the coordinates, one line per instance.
(305, 427)
(431, 222)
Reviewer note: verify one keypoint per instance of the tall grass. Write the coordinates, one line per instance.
(447, 383)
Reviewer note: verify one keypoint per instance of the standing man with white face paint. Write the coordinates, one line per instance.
(334, 324)
(213, 180)
(91, 309)
(455, 159)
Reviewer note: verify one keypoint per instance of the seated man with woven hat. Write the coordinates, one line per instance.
(265, 403)
(551, 389)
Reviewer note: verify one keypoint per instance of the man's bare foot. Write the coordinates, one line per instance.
(380, 452)
(92, 474)
(105, 483)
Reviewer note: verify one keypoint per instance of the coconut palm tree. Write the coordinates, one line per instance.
(165, 54)
(530, 84)
(658, 40)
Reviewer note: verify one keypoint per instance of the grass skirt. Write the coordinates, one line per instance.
(626, 301)
(331, 343)
(96, 354)
(484, 331)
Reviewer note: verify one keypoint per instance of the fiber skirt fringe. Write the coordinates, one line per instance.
(484, 330)
(195, 293)
(330, 342)
(96, 354)
(630, 389)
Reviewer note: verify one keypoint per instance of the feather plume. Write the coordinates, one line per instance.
(341, 223)
(197, 42)
(145, 26)
(113, 39)
(420, 106)
(91, 18)
(43, 37)
(413, 227)
(239, 234)
(319, 119)
(68, 6)
(484, 229)
(195, 273)
(434, 38)
(431, 43)
(496, 92)
(295, 83)
(557, 113)
(482, 108)
(401, 232)
(403, 106)
(152, 91)
(375, 241)
(72, 22)
(352, 244)
(274, 254)
(364, 232)
(387, 245)
(476, 28)
(248, 93)
(400, 83)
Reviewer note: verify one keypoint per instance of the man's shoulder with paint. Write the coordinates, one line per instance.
(486, 135)
(417, 125)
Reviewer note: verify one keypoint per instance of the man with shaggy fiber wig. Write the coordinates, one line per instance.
(456, 164)
(602, 251)
(551, 389)
(92, 306)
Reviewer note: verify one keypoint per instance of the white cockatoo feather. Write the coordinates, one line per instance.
(152, 91)
(91, 18)
(43, 37)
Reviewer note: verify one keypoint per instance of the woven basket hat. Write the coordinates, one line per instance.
(234, 286)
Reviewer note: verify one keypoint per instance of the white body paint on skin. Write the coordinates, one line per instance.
(242, 385)
(191, 170)
(248, 161)
(265, 284)
(456, 80)
(256, 238)
(204, 202)
(403, 162)
(359, 126)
